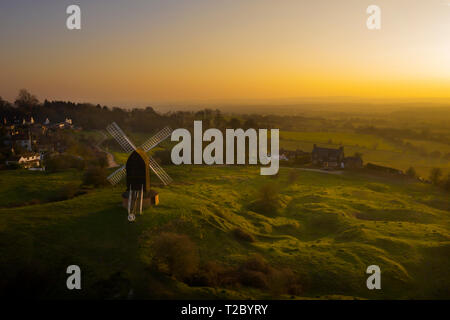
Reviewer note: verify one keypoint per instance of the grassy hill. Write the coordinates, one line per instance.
(324, 230)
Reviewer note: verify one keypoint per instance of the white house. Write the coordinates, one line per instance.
(27, 160)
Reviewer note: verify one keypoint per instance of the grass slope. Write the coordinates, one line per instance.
(328, 230)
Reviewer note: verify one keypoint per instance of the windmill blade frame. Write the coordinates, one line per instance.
(115, 177)
(156, 139)
(117, 133)
(160, 173)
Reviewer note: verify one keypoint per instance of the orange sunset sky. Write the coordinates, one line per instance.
(141, 52)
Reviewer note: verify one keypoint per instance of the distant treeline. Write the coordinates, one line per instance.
(90, 116)
(404, 133)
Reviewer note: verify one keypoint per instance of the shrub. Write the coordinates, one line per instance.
(63, 162)
(257, 273)
(66, 192)
(447, 183)
(268, 201)
(175, 254)
(256, 263)
(243, 235)
(102, 160)
(95, 176)
(255, 279)
(411, 172)
(211, 274)
(117, 286)
(254, 272)
(293, 176)
(435, 175)
(163, 157)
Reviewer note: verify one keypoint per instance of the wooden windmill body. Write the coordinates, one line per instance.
(138, 180)
(138, 195)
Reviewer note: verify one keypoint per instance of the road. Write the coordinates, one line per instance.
(337, 172)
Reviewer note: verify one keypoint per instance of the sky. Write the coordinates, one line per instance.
(141, 52)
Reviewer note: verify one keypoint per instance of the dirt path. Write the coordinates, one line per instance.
(109, 157)
(111, 161)
(337, 172)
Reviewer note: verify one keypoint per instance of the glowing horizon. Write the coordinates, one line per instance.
(162, 51)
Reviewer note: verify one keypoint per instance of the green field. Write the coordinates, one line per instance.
(374, 149)
(327, 230)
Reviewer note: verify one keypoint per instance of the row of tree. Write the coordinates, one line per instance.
(89, 116)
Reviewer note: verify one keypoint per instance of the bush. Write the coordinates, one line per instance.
(293, 176)
(211, 274)
(268, 201)
(447, 183)
(411, 172)
(242, 235)
(66, 192)
(163, 157)
(63, 162)
(257, 273)
(255, 279)
(117, 286)
(102, 160)
(254, 272)
(435, 175)
(175, 254)
(95, 176)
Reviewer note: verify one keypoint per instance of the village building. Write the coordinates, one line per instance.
(287, 155)
(327, 157)
(66, 124)
(26, 160)
(22, 139)
(353, 162)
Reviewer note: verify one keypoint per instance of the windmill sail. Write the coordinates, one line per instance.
(120, 137)
(156, 168)
(129, 147)
(117, 175)
(156, 139)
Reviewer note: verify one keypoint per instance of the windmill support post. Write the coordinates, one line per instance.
(129, 200)
(142, 199)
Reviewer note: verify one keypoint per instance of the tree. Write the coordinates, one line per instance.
(358, 155)
(250, 124)
(219, 120)
(411, 172)
(435, 175)
(447, 183)
(234, 123)
(26, 100)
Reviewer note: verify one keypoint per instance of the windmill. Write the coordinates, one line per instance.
(137, 170)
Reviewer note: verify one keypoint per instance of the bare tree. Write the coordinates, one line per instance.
(26, 100)
(435, 175)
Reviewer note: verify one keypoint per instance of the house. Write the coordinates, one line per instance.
(22, 139)
(26, 160)
(291, 155)
(353, 162)
(328, 158)
(67, 124)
